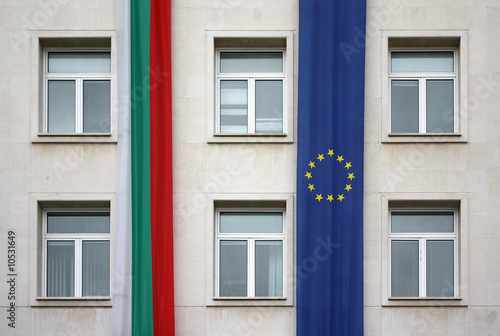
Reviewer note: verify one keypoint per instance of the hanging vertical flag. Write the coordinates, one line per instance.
(330, 167)
(150, 233)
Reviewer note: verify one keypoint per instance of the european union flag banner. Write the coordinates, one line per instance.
(330, 167)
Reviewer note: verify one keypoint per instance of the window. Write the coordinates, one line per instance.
(76, 253)
(423, 253)
(250, 91)
(423, 91)
(77, 91)
(250, 250)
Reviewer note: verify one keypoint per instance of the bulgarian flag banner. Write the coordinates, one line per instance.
(143, 282)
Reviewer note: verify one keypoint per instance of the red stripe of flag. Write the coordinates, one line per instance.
(161, 167)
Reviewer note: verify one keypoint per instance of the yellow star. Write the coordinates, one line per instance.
(348, 165)
(348, 187)
(321, 157)
(318, 197)
(341, 197)
(351, 176)
(311, 164)
(330, 198)
(340, 158)
(308, 175)
(311, 187)
(330, 152)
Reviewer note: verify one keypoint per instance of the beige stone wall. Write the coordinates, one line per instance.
(31, 170)
(206, 169)
(465, 168)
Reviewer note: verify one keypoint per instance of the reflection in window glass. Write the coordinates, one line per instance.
(233, 106)
(233, 268)
(404, 106)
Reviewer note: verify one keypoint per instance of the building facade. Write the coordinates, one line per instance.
(431, 166)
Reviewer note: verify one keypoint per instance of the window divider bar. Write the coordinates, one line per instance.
(251, 268)
(422, 114)
(423, 267)
(78, 268)
(79, 105)
(251, 105)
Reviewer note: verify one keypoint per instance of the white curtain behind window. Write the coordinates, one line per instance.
(440, 268)
(269, 268)
(60, 268)
(95, 268)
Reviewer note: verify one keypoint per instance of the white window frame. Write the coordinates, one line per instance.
(79, 78)
(250, 77)
(422, 238)
(414, 200)
(422, 78)
(78, 238)
(380, 69)
(251, 239)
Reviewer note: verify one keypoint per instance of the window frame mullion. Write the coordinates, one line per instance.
(422, 267)
(78, 268)
(422, 102)
(251, 267)
(79, 105)
(251, 113)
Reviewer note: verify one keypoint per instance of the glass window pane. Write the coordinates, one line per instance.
(79, 62)
(269, 106)
(95, 268)
(74, 222)
(234, 106)
(404, 106)
(60, 268)
(233, 268)
(96, 106)
(409, 222)
(440, 101)
(440, 268)
(251, 222)
(269, 268)
(404, 268)
(245, 62)
(61, 106)
(422, 61)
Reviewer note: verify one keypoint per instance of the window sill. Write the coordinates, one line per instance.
(425, 302)
(74, 138)
(250, 138)
(72, 302)
(424, 138)
(249, 302)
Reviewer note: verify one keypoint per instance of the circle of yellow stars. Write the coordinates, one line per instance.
(340, 159)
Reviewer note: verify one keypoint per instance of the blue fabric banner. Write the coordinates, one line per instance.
(330, 167)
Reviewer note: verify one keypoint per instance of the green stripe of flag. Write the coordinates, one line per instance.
(142, 290)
